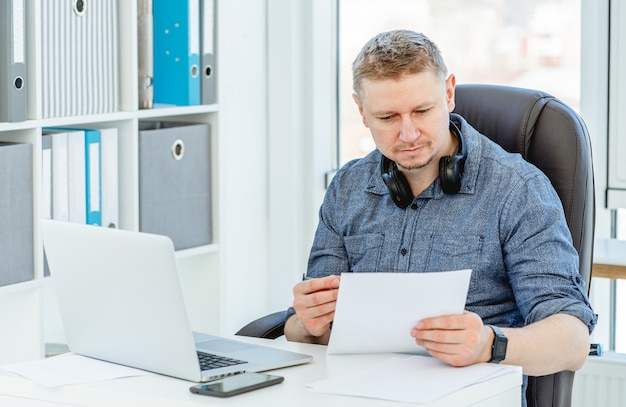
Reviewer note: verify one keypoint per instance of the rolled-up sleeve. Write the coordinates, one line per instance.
(539, 256)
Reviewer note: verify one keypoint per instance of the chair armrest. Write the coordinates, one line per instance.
(269, 326)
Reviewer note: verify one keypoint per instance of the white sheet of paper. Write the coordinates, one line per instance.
(375, 312)
(69, 368)
(413, 379)
(28, 402)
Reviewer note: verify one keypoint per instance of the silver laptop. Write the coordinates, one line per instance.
(120, 301)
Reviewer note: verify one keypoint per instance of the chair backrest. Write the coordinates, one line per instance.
(553, 137)
(550, 135)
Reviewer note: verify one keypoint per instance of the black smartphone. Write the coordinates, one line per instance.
(236, 384)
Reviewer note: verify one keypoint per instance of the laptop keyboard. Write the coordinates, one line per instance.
(209, 361)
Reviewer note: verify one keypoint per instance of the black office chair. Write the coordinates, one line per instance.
(553, 137)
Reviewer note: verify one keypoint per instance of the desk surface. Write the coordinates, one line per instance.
(161, 391)
(609, 258)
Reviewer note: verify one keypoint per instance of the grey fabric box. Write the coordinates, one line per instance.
(175, 182)
(16, 213)
(79, 57)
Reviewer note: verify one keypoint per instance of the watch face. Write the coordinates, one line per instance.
(500, 342)
(499, 348)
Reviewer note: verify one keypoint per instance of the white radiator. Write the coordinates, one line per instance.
(601, 382)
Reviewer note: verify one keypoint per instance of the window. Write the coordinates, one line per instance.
(526, 43)
(617, 290)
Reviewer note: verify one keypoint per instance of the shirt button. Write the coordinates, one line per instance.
(403, 251)
(414, 206)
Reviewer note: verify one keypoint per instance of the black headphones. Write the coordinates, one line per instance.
(450, 173)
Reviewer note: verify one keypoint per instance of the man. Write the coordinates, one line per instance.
(485, 209)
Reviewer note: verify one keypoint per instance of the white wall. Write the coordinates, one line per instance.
(276, 123)
(302, 123)
(594, 98)
(242, 151)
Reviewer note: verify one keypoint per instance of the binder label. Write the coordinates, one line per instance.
(94, 177)
(194, 27)
(18, 32)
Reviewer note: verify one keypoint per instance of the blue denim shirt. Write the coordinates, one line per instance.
(506, 224)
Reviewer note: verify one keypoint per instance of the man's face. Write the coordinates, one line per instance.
(409, 118)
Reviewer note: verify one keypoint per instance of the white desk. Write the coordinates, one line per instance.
(161, 391)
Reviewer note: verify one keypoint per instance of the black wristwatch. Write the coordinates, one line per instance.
(498, 349)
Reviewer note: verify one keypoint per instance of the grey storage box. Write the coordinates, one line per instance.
(175, 182)
(79, 57)
(16, 213)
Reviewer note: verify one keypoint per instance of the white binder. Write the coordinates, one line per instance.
(59, 174)
(110, 177)
(68, 175)
(46, 177)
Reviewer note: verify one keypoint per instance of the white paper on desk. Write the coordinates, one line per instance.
(29, 402)
(375, 312)
(412, 379)
(69, 368)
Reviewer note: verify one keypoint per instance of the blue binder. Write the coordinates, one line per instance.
(176, 52)
(92, 177)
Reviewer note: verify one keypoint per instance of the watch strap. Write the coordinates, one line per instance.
(498, 348)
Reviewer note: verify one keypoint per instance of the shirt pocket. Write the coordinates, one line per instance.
(455, 253)
(364, 251)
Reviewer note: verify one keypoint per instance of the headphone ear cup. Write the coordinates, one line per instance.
(451, 167)
(398, 188)
(450, 171)
(397, 184)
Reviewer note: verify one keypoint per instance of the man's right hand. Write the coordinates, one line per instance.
(314, 302)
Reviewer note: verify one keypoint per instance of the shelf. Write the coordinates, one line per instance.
(15, 126)
(25, 286)
(29, 319)
(197, 251)
(157, 112)
(161, 111)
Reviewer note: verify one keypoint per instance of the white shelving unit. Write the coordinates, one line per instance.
(28, 318)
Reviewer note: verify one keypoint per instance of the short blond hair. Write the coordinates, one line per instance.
(394, 54)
